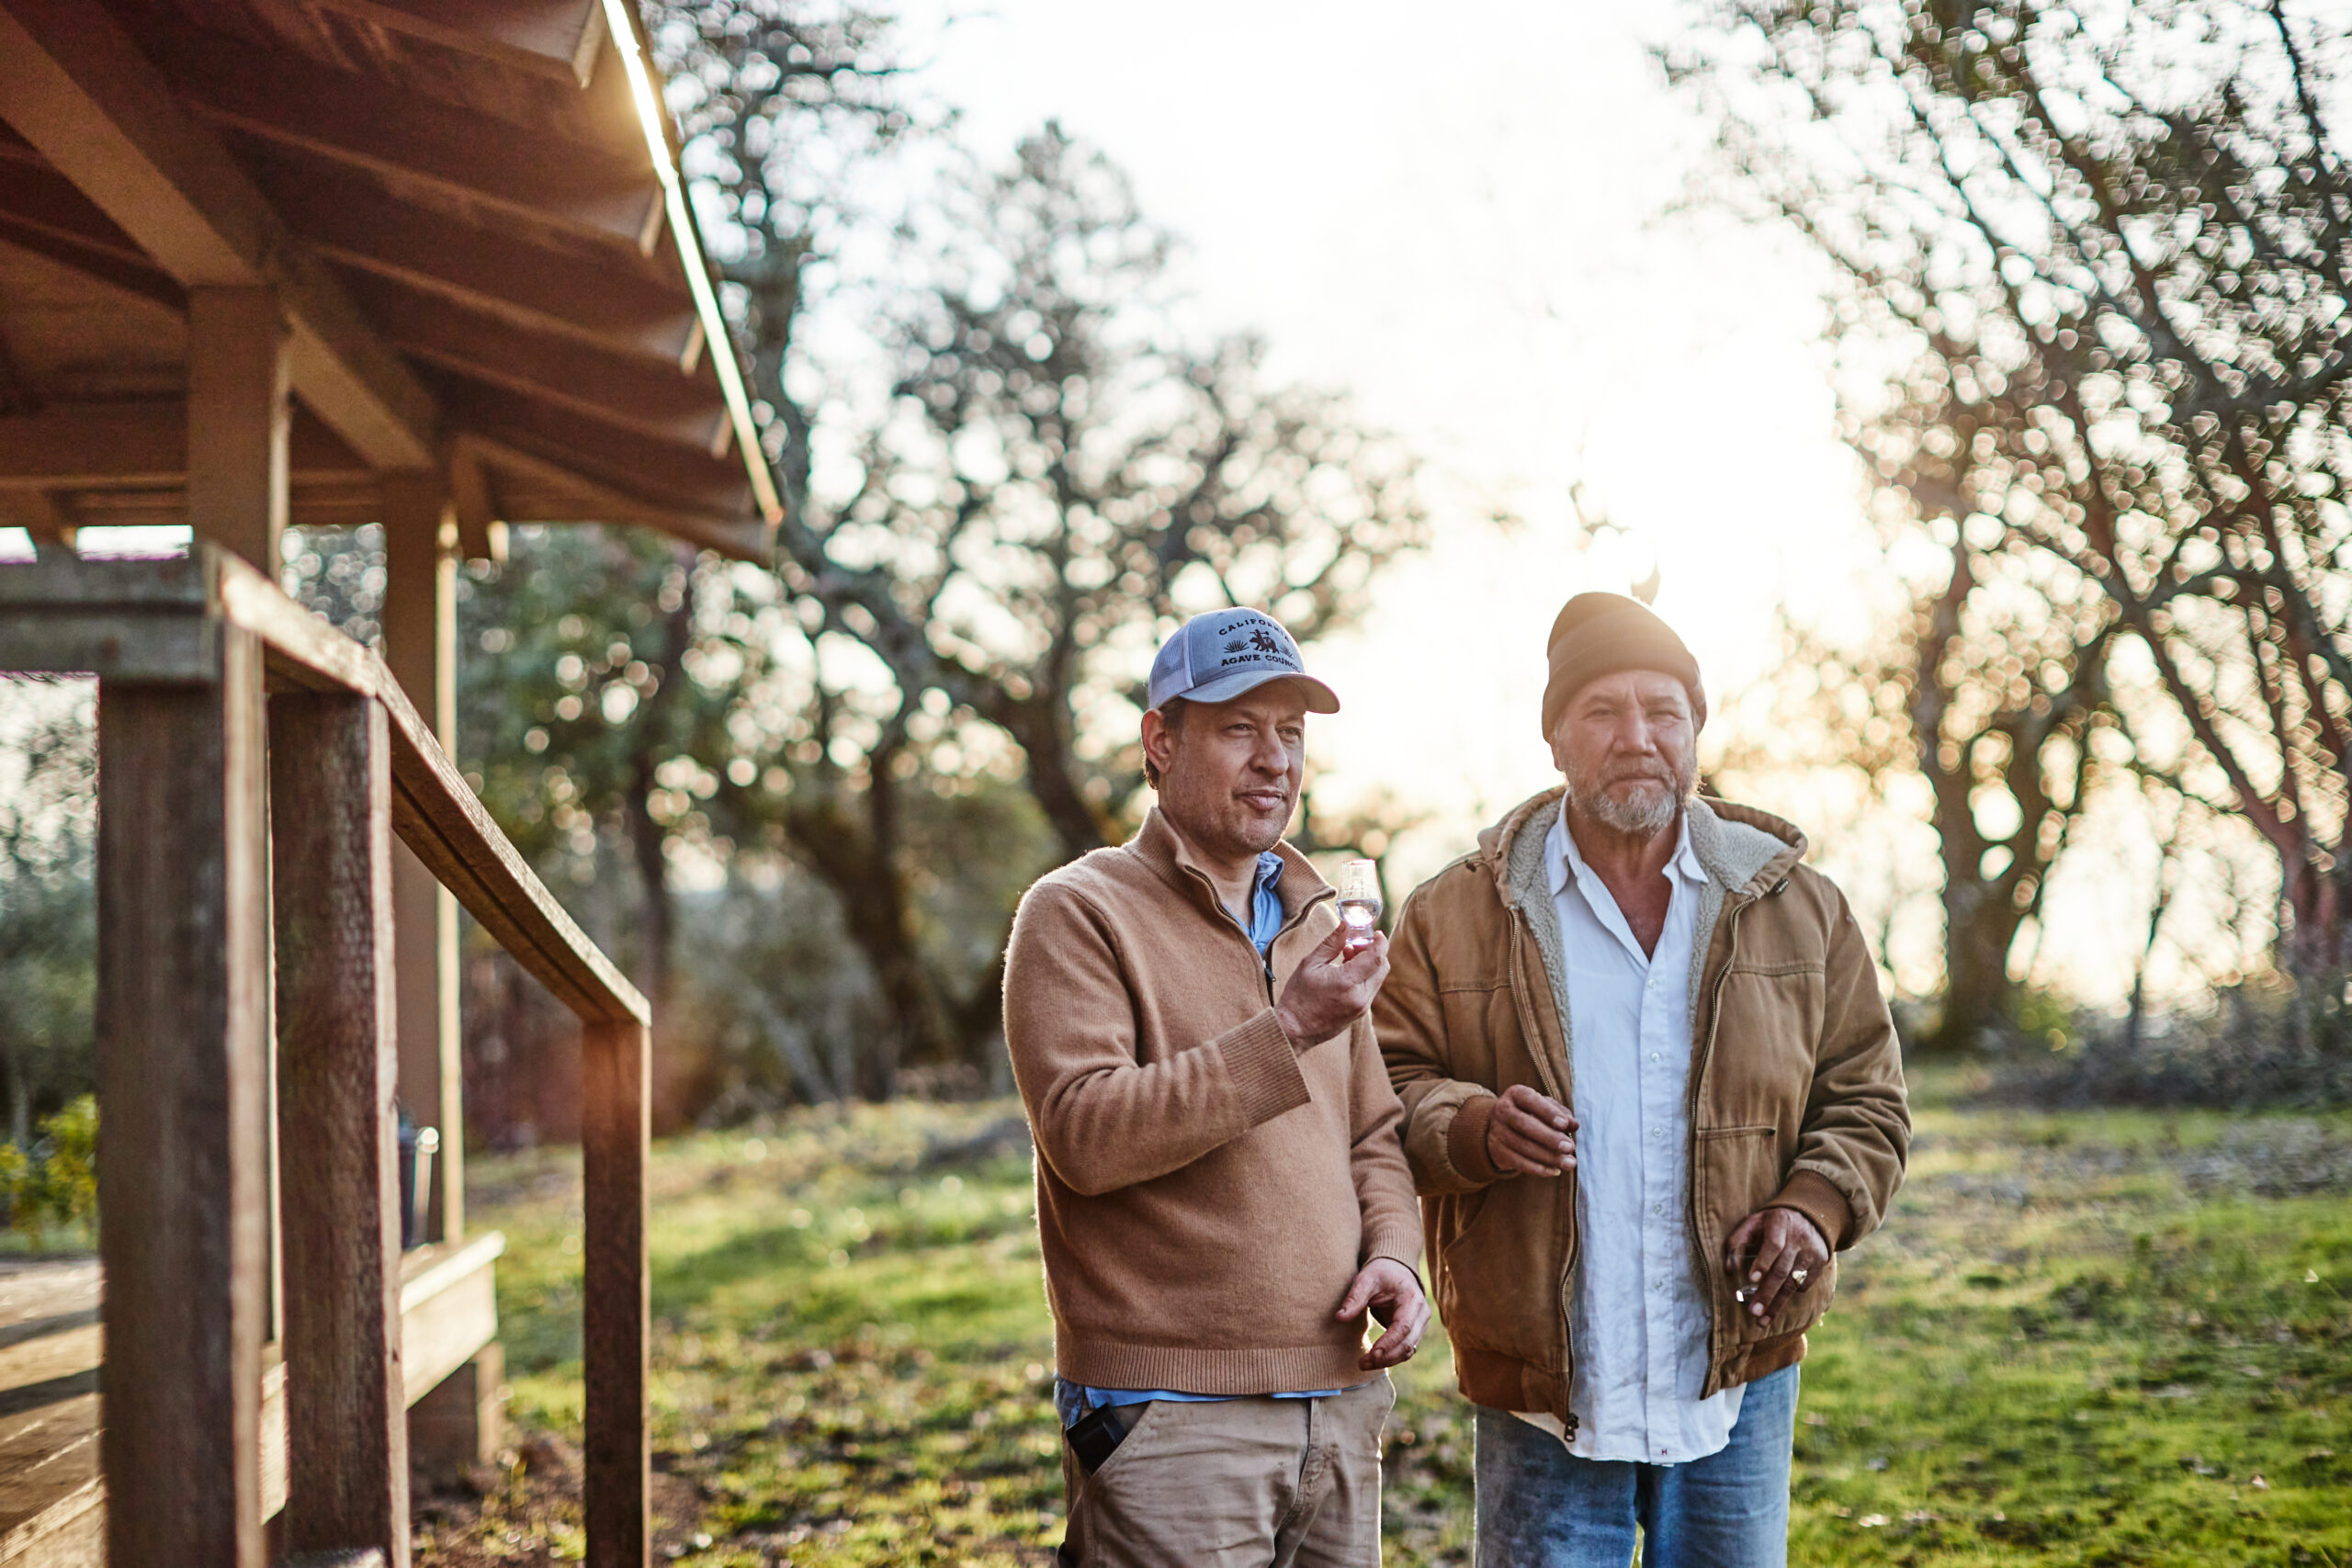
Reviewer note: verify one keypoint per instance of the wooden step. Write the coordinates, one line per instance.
(53, 1347)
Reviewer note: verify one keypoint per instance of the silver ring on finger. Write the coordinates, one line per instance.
(1799, 1275)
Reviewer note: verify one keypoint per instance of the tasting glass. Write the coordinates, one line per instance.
(1360, 902)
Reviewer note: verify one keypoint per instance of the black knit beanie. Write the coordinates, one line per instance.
(1601, 634)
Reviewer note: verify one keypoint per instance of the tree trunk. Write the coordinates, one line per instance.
(858, 860)
(2316, 937)
(1037, 726)
(21, 1102)
(979, 1017)
(648, 844)
(648, 840)
(1980, 923)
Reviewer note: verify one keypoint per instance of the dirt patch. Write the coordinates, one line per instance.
(2272, 1160)
(526, 1511)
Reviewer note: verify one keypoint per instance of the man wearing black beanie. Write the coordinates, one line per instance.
(1650, 1087)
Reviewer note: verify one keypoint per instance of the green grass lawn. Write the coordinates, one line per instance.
(2095, 1338)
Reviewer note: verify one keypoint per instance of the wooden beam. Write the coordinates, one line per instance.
(566, 496)
(632, 46)
(95, 445)
(615, 1067)
(238, 421)
(599, 294)
(362, 120)
(183, 1021)
(347, 1409)
(323, 507)
(141, 279)
(558, 39)
(434, 810)
(89, 616)
(639, 391)
(38, 512)
(43, 212)
(481, 534)
(36, 196)
(141, 623)
(74, 85)
(420, 621)
(420, 596)
(660, 474)
(143, 445)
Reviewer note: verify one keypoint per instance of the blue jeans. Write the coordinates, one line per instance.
(1541, 1506)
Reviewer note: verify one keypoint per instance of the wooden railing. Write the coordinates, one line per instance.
(253, 764)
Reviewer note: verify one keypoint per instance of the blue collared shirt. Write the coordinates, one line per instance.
(1265, 904)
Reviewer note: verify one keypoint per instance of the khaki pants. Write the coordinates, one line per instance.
(1254, 1483)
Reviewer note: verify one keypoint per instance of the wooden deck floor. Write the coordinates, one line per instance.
(51, 1346)
(49, 1350)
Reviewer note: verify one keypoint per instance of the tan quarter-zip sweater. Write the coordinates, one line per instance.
(1207, 1190)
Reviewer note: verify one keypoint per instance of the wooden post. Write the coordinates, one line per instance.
(183, 1015)
(420, 645)
(614, 1060)
(346, 1421)
(237, 420)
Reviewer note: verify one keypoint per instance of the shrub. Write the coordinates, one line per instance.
(2264, 1043)
(55, 1182)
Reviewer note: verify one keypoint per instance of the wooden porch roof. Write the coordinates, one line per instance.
(469, 210)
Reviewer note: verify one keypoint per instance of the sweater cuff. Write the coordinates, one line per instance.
(1812, 1194)
(1465, 1140)
(1263, 1067)
(1398, 1244)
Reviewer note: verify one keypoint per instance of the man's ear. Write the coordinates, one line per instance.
(1559, 754)
(1159, 740)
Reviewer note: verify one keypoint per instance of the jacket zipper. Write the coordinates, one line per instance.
(1707, 1266)
(1561, 1092)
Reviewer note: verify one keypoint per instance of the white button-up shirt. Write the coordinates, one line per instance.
(1639, 1317)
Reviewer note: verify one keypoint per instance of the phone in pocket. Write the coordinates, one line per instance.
(1096, 1435)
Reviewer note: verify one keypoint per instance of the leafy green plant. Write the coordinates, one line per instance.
(55, 1182)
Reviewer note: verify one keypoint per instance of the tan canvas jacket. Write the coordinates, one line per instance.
(1796, 1095)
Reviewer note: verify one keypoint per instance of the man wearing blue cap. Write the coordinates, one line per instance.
(1222, 1194)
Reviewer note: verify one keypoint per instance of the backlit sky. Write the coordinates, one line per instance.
(1475, 220)
(1469, 217)
(1470, 223)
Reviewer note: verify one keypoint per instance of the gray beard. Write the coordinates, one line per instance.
(1644, 815)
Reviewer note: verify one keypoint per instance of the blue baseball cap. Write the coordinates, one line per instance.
(1217, 657)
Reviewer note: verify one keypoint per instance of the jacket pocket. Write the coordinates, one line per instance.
(1738, 1170)
(1768, 1025)
(1457, 1217)
(1482, 1027)
(1499, 1276)
(1451, 1219)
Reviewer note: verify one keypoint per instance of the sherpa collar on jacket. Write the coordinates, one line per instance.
(1743, 850)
